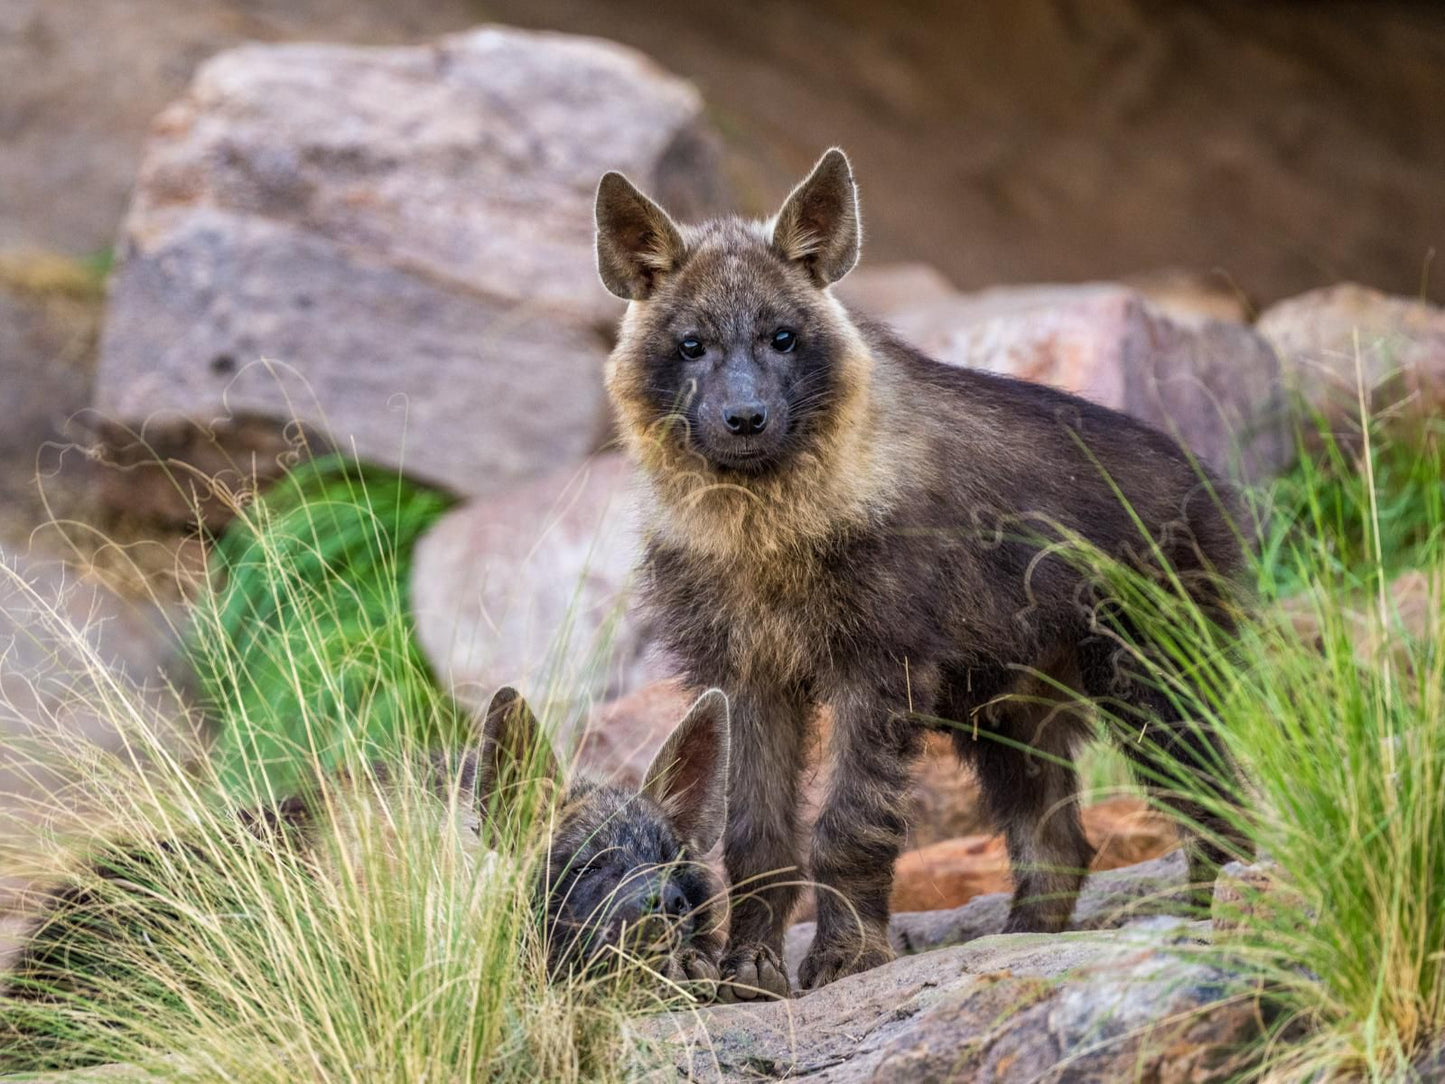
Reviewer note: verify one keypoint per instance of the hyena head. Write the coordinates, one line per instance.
(623, 874)
(732, 350)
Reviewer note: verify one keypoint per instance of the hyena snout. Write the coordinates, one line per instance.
(654, 902)
(745, 418)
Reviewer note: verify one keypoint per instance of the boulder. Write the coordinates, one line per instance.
(1343, 341)
(1124, 831)
(1133, 1004)
(1213, 384)
(84, 81)
(393, 246)
(530, 587)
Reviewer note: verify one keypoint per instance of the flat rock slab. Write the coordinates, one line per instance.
(393, 246)
(1133, 1004)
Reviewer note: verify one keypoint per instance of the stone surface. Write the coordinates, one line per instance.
(1399, 365)
(1213, 384)
(949, 873)
(1132, 1004)
(530, 587)
(394, 246)
(1107, 900)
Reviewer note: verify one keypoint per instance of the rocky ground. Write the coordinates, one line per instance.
(403, 233)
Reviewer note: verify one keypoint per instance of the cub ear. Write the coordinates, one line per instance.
(514, 753)
(689, 775)
(636, 240)
(818, 225)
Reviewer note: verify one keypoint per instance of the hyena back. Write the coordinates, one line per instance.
(837, 518)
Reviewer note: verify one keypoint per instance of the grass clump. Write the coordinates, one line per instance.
(1332, 700)
(394, 936)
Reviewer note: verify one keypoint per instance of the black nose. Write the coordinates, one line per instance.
(666, 900)
(745, 419)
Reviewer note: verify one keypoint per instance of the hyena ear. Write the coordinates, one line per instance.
(689, 775)
(636, 240)
(818, 225)
(514, 753)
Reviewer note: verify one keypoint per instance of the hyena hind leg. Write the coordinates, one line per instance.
(1185, 768)
(1033, 796)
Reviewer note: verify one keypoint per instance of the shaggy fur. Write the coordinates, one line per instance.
(883, 545)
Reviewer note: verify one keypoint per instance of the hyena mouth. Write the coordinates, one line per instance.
(649, 942)
(749, 461)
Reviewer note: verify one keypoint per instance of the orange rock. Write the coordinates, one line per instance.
(947, 874)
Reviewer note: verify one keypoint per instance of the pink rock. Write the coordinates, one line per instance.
(1213, 384)
(531, 587)
(1400, 358)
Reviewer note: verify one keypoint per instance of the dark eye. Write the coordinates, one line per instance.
(784, 340)
(691, 348)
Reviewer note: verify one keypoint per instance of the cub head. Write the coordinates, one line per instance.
(732, 347)
(623, 873)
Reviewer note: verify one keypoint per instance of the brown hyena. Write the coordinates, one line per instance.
(622, 876)
(837, 518)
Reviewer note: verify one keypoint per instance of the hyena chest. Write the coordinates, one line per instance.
(788, 619)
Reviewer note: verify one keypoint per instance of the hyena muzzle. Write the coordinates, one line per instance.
(836, 518)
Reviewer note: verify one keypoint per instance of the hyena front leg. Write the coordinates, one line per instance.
(861, 828)
(760, 844)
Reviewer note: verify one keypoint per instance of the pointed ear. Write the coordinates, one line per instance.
(818, 225)
(636, 240)
(689, 775)
(514, 752)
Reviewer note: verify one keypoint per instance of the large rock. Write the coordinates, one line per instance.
(530, 587)
(1346, 341)
(1127, 1005)
(1213, 384)
(84, 78)
(394, 245)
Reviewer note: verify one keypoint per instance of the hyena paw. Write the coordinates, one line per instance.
(695, 971)
(828, 961)
(752, 973)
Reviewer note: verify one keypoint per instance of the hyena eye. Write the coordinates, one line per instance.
(691, 348)
(784, 340)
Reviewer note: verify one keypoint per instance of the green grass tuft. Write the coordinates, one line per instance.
(305, 644)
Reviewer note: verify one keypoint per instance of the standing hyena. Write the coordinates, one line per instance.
(837, 518)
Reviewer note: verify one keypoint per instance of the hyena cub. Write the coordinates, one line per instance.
(837, 518)
(622, 876)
